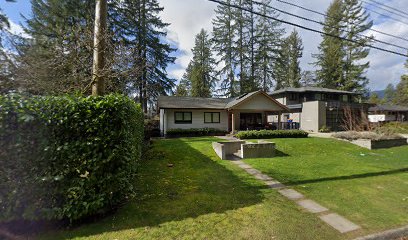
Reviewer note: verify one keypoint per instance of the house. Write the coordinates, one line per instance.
(387, 113)
(313, 108)
(246, 112)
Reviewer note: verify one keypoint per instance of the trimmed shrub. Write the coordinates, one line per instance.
(353, 135)
(67, 157)
(195, 132)
(265, 134)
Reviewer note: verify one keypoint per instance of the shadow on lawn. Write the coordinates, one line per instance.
(193, 184)
(349, 177)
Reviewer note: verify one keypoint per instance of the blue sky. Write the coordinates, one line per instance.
(187, 17)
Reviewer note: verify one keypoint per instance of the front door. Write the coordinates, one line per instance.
(250, 121)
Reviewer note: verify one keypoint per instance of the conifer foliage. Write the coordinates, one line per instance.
(341, 63)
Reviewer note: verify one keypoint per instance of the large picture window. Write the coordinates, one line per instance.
(182, 117)
(211, 117)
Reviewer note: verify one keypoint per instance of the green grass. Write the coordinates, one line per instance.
(202, 197)
(368, 187)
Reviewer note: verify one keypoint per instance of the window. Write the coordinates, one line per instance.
(318, 96)
(293, 96)
(182, 117)
(344, 98)
(211, 117)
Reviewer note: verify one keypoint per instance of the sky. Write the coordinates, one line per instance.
(188, 17)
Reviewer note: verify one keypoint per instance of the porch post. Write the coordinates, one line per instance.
(279, 120)
(232, 122)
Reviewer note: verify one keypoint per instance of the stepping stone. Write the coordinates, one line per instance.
(262, 177)
(252, 171)
(291, 194)
(312, 206)
(244, 166)
(339, 223)
(274, 184)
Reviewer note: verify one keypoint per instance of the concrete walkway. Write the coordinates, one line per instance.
(336, 221)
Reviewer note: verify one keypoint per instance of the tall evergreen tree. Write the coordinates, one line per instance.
(181, 90)
(224, 32)
(7, 67)
(295, 50)
(401, 95)
(288, 72)
(139, 25)
(267, 38)
(58, 56)
(329, 60)
(241, 44)
(356, 21)
(374, 99)
(389, 93)
(308, 79)
(203, 66)
(250, 33)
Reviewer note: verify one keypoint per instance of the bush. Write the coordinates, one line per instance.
(325, 129)
(195, 132)
(265, 134)
(395, 127)
(67, 157)
(353, 135)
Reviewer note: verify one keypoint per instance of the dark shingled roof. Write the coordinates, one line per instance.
(311, 89)
(207, 103)
(391, 108)
(192, 102)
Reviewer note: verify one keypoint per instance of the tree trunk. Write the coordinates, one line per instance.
(98, 79)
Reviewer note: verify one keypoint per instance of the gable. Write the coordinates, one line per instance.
(259, 102)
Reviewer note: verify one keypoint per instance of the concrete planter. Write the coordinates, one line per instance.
(243, 149)
(377, 144)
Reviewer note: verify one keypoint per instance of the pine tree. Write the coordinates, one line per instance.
(389, 93)
(181, 90)
(203, 70)
(401, 95)
(356, 22)
(308, 79)
(224, 31)
(268, 36)
(58, 56)
(141, 28)
(295, 50)
(374, 99)
(329, 60)
(288, 72)
(7, 67)
(241, 45)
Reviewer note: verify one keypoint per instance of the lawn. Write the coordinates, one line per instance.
(368, 187)
(186, 192)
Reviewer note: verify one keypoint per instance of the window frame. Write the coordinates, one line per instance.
(212, 117)
(183, 121)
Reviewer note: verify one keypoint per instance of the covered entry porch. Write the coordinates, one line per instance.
(253, 111)
(254, 120)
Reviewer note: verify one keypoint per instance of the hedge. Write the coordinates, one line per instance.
(67, 157)
(195, 132)
(265, 134)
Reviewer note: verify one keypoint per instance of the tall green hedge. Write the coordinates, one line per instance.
(67, 157)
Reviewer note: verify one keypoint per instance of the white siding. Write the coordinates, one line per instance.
(197, 119)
